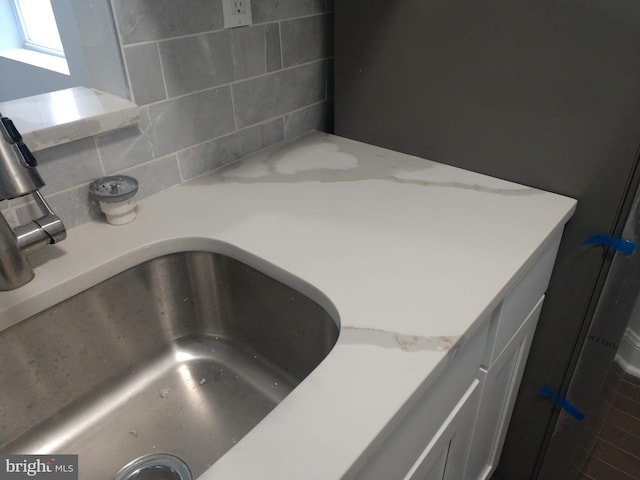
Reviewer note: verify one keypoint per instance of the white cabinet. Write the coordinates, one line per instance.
(430, 432)
(444, 456)
(455, 428)
(500, 384)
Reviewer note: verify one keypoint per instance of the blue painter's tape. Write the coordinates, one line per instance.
(620, 244)
(564, 404)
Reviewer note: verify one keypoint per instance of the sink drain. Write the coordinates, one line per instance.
(160, 466)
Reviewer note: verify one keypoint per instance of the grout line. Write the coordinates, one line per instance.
(235, 82)
(299, 109)
(178, 37)
(580, 472)
(219, 137)
(218, 30)
(635, 381)
(624, 472)
(145, 163)
(180, 174)
(630, 434)
(290, 112)
(164, 78)
(177, 152)
(219, 167)
(608, 402)
(233, 108)
(601, 425)
(95, 145)
(632, 415)
(266, 49)
(86, 184)
(282, 67)
(627, 397)
(127, 170)
(619, 410)
(193, 35)
(617, 447)
(299, 17)
(614, 467)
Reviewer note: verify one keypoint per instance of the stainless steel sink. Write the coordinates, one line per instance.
(181, 355)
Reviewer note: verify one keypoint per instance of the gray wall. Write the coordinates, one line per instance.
(208, 96)
(24, 80)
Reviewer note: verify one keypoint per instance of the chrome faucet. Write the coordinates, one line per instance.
(19, 177)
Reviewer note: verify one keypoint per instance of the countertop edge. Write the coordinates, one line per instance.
(63, 116)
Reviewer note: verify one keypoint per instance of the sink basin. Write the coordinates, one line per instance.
(181, 355)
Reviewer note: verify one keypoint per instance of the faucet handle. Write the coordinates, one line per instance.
(27, 156)
(18, 175)
(15, 136)
(10, 131)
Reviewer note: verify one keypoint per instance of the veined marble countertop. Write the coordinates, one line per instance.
(407, 254)
(62, 116)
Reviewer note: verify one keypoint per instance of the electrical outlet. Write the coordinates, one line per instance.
(236, 13)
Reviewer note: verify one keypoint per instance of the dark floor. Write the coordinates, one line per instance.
(616, 453)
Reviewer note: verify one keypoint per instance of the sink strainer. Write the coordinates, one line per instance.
(114, 194)
(160, 466)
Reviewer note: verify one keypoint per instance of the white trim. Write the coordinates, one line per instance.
(628, 356)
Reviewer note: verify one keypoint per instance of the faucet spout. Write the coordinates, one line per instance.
(18, 177)
(15, 270)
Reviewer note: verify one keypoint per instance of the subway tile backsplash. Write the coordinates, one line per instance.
(208, 96)
(206, 156)
(148, 20)
(207, 58)
(273, 10)
(145, 73)
(306, 39)
(280, 92)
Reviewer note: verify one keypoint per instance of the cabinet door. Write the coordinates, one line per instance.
(443, 458)
(500, 385)
(431, 409)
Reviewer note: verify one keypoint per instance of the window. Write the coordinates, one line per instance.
(29, 35)
(91, 58)
(38, 26)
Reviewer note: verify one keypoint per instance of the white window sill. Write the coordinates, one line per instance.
(59, 117)
(37, 59)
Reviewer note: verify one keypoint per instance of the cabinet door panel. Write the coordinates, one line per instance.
(434, 469)
(401, 446)
(500, 385)
(443, 458)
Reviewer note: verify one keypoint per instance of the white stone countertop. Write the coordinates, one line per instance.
(407, 254)
(62, 116)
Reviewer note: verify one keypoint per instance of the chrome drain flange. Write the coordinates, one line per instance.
(156, 466)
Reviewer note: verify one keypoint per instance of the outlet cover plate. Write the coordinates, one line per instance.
(236, 13)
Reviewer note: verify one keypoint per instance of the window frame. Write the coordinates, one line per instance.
(28, 42)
